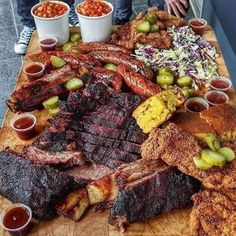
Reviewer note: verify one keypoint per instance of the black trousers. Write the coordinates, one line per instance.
(24, 7)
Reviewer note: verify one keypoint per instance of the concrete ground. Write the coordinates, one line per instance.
(10, 63)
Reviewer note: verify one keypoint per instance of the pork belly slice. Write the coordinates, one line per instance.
(38, 186)
(57, 159)
(213, 214)
(162, 191)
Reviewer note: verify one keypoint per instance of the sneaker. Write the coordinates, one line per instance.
(21, 46)
(73, 18)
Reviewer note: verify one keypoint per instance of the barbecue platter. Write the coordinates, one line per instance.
(115, 144)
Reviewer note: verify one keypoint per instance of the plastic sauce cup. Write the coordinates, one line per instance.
(216, 97)
(48, 43)
(97, 28)
(221, 83)
(34, 70)
(24, 125)
(198, 25)
(196, 104)
(22, 214)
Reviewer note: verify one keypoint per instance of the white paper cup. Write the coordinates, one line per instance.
(98, 28)
(56, 26)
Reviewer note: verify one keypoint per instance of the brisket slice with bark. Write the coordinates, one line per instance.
(40, 187)
(57, 159)
(162, 191)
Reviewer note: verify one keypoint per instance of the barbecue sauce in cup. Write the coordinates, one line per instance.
(196, 104)
(17, 219)
(198, 25)
(34, 71)
(48, 43)
(24, 125)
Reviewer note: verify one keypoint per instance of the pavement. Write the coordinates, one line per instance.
(10, 63)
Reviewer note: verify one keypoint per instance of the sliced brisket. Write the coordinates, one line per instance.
(40, 187)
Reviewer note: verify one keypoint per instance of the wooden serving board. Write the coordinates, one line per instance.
(93, 223)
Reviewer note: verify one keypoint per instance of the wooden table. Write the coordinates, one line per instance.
(96, 223)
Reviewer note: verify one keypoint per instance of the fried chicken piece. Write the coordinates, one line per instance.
(223, 119)
(213, 214)
(177, 148)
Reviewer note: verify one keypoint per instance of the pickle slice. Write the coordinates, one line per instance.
(111, 66)
(144, 27)
(75, 37)
(228, 153)
(67, 46)
(187, 92)
(51, 103)
(154, 28)
(210, 140)
(151, 18)
(164, 71)
(74, 83)
(165, 79)
(54, 111)
(200, 164)
(57, 62)
(213, 158)
(184, 81)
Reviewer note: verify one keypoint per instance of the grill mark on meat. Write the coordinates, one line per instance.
(39, 187)
(111, 152)
(104, 160)
(107, 142)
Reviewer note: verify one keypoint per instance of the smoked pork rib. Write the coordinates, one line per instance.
(40, 187)
(162, 191)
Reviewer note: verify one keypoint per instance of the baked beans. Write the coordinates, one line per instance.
(50, 9)
(93, 8)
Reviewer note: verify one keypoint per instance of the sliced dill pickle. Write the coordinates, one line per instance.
(213, 158)
(165, 79)
(54, 111)
(154, 28)
(164, 71)
(67, 46)
(187, 92)
(210, 140)
(184, 81)
(51, 103)
(57, 62)
(75, 37)
(74, 83)
(151, 18)
(111, 66)
(144, 27)
(228, 153)
(200, 164)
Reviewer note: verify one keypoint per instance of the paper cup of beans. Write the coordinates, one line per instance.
(95, 19)
(52, 19)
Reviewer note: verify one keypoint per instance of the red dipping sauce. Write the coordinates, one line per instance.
(16, 219)
(24, 125)
(215, 97)
(196, 104)
(222, 83)
(48, 44)
(198, 25)
(34, 71)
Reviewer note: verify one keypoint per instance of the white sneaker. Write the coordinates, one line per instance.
(21, 46)
(73, 18)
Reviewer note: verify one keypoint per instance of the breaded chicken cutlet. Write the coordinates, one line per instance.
(222, 118)
(213, 214)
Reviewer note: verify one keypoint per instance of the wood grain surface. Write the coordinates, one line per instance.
(175, 223)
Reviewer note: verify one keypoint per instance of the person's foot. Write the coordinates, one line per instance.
(21, 45)
(73, 18)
